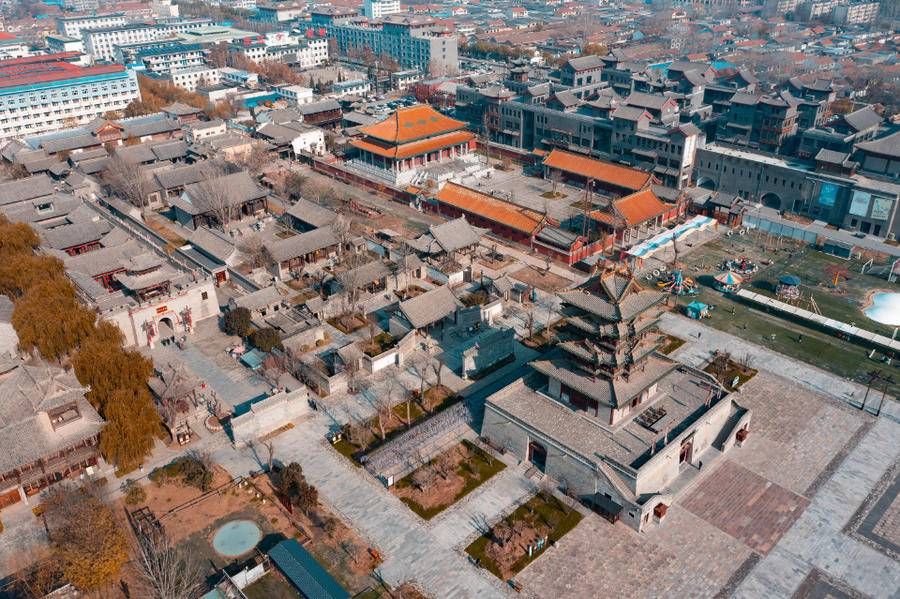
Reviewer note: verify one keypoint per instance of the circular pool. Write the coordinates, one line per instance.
(236, 538)
(885, 308)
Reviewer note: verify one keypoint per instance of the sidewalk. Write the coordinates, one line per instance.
(697, 352)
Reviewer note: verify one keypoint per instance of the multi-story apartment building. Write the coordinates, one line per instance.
(81, 5)
(766, 122)
(414, 42)
(279, 12)
(529, 121)
(856, 13)
(75, 25)
(376, 9)
(171, 57)
(193, 77)
(39, 94)
(101, 43)
(304, 52)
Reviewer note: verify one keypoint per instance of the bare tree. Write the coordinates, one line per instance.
(546, 302)
(213, 195)
(257, 254)
(383, 412)
(437, 365)
(529, 319)
(270, 453)
(127, 181)
(167, 571)
(420, 365)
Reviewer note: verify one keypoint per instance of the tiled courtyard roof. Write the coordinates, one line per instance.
(620, 176)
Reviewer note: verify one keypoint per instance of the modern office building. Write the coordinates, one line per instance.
(415, 42)
(81, 5)
(170, 57)
(39, 94)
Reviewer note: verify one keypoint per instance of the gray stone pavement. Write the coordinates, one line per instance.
(23, 538)
(410, 550)
(457, 526)
(698, 351)
(816, 540)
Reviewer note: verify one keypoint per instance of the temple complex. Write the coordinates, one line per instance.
(616, 422)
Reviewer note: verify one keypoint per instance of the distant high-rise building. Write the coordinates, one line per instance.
(375, 9)
(857, 13)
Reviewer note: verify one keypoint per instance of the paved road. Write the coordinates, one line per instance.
(816, 539)
(412, 552)
(698, 350)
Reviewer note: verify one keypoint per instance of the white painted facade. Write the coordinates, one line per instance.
(311, 141)
(74, 26)
(192, 78)
(296, 94)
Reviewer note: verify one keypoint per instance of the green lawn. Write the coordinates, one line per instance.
(476, 470)
(794, 339)
(539, 509)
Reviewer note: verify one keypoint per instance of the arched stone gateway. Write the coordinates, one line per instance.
(706, 183)
(771, 200)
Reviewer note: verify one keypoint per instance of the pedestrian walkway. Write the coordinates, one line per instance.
(233, 388)
(461, 523)
(411, 551)
(698, 350)
(816, 540)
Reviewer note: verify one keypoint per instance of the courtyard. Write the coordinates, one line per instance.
(745, 505)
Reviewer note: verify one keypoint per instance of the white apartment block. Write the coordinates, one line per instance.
(81, 5)
(74, 26)
(193, 77)
(101, 43)
(376, 9)
(856, 13)
(230, 75)
(296, 94)
(41, 94)
(171, 57)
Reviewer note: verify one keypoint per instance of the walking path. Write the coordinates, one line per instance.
(411, 551)
(461, 524)
(698, 351)
(817, 541)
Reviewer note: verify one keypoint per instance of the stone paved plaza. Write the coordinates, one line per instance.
(763, 520)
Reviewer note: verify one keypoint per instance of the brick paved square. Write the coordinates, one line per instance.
(786, 444)
(877, 521)
(745, 505)
(818, 585)
(681, 558)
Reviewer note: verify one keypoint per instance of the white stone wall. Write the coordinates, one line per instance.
(269, 415)
(201, 299)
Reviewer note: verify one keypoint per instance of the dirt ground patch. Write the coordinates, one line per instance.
(446, 479)
(545, 281)
(191, 518)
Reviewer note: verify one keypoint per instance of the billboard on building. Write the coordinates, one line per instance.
(828, 194)
(881, 208)
(859, 205)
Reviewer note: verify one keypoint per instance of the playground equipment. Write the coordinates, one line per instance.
(676, 283)
(742, 266)
(788, 288)
(728, 281)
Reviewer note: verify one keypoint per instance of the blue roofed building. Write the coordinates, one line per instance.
(305, 573)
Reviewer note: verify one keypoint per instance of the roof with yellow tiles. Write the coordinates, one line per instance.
(614, 174)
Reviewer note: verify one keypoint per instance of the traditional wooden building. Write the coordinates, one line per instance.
(604, 177)
(396, 148)
(48, 430)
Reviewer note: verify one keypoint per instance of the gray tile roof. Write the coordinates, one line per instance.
(212, 243)
(238, 188)
(863, 119)
(25, 189)
(430, 307)
(173, 178)
(456, 234)
(259, 299)
(302, 244)
(312, 214)
(26, 394)
(888, 145)
(66, 236)
(584, 63)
